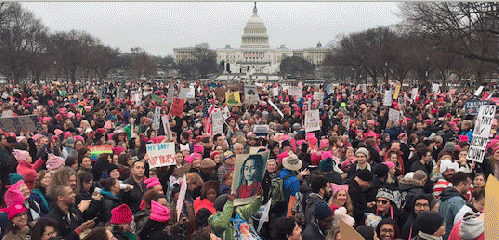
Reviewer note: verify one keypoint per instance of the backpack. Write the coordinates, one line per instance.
(276, 191)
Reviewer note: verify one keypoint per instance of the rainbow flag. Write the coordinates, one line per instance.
(97, 150)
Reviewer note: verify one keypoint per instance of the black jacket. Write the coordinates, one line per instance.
(67, 227)
(359, 202)
(108, 204)
(133, 197)
(312, 232)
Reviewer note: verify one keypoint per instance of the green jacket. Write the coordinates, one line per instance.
(220, 221)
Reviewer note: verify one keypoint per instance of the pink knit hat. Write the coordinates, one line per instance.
(151, 182)
(463, 138)
(121, 214)
(12, 196)
(54, 162)
(17, 184)
(198, 148)
(159, 212)
(324, 143)
(189, 159)
(20, 155)
(326, 154)
(390, 165)
(14, 209)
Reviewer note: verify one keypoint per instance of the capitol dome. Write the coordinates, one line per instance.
(255, 33)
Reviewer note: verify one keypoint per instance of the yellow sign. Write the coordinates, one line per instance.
(232, 99)
(397, 91)
(491, 208)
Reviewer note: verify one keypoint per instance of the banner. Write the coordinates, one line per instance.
(292, 91)
(157, 115)
(166, 126)
(232, 99)
(312, 121)
(177, 107)
(483, 125)
(251, 95)
(387, 100)
(217, 121)
(30, 123)
(471, 107)
(394, 115)
(97, 150)
(248, 174)
(261, 130)
(161, 154)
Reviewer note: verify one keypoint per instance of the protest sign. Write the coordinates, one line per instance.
(136, 97)
(292, 91)
(157, 99)
(97, 150)
(275, 91)
(276, 108)
(414, 93)
(250, 95)
(191, 93)
(387, 100)
(265, 215)
(319, 96)
(226, 113)
(478, 91)
(177, 107)
(483, 125)
(471, 107)
(7, 113)
(248, 174)
(166, 126)
(435, 88)
(170, 95)
(491, 218)
(181, 197)
(261, 130)
(157, 115)
(30, 123)
(394, 115)
(161, 154)
(232, 99)
(312, 120)
(183, 93)
(217, 122)
(397, 91)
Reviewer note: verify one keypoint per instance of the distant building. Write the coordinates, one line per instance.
(255, 56)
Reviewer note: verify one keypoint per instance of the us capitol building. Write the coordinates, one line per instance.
(255, 56)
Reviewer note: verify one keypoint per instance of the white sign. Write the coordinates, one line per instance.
(181, 197)
(481, 133)
(387, 100)
(261, 130)
(251, 95)
(312, 121)
(161, 154)
(7, 113)
(226, 113)
(394, 115)
(276, 91)
(265, 215)
(319, 96)
(275, 107)
(435, 88)
(217, 122)
(166, 126)
(191, 93)
(414, 93)
(478, 91)
(157, 115)
(292, 91)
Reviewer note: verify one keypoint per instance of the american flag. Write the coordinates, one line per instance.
(207, 109)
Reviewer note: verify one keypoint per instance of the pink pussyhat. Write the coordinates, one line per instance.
(12, 196)
(151, 182)
(324, 143)
(337, 188)
(20, 155)
(159, 212)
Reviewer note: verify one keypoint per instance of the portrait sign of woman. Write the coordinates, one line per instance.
(250, 176)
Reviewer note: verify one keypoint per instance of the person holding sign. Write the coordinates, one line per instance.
(251, 170)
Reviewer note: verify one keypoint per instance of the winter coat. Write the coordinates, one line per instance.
(109, 202)
(311, 201)
(359, 202)
(133, 197)
(67, 227)
(312, 232)
(451, 201)
(221, 224)
(20, 235)
(468, 228)
(412, 189)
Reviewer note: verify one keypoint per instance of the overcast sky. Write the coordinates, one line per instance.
(158, 27)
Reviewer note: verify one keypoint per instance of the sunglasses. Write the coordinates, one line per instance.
(383, 201)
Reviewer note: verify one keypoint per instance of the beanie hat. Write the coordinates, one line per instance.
(151, 182)
(14, 178)
(214, 154)
(159, 212)
(118, 150)
(198, 148)
(448, 164)
(381, 170)
(54, 162)
(322, 211)
(364, 175)
(219, 203)
(385, 193)
(207, 163)
(390, 165)
(362, 150)
(464, 138)
(327, 165)
(450, 147)
(429, 222)
(20, 155)
(121, 214)
(12, 196)
(326, 154)
(14, 209)
(29, 174)
(324, 143)
(189, 159)
(184, 147)
(341, 213)
(111, 167)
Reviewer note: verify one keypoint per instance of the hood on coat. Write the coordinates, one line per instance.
(449, 193)
(472, 226)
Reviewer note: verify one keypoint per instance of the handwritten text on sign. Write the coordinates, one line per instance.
(161, 154)
(312, 120)
(481, 133)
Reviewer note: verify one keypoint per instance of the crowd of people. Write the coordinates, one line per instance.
(387, 179)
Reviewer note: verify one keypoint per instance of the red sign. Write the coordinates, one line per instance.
(177, 107)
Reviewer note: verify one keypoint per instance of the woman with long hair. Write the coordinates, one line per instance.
(125, 164)
(250, 175)
(341, 198)
(39, 193)
(111, 188)
(194, 184)
(44, 229)
(84, 184)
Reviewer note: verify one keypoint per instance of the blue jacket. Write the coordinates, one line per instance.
(451, 201)
(291, 185)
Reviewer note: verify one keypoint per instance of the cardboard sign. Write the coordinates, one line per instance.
(217, 121)
(183, 93)
(312, 121)
(30, 123)
(157, 99)
(166, 126)
(177, 107)
(157, 115)
(232, 99)
(481, 133)
(251, 95)
(387, 100)
(397, 91)
(478, 91)
(191, 93)
(137, 97)
(319, 96)
(435, 88)
(181, 197)
(261, 130)
(292, 91)
(275, 91)
(97, 150)
(161, 154)
(471, 107)
(394, 115)
(492, 202)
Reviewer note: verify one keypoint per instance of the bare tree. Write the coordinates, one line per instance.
(206, 60)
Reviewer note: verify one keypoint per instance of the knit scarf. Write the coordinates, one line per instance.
(40, 194)
(428, 236)
(104, 192)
